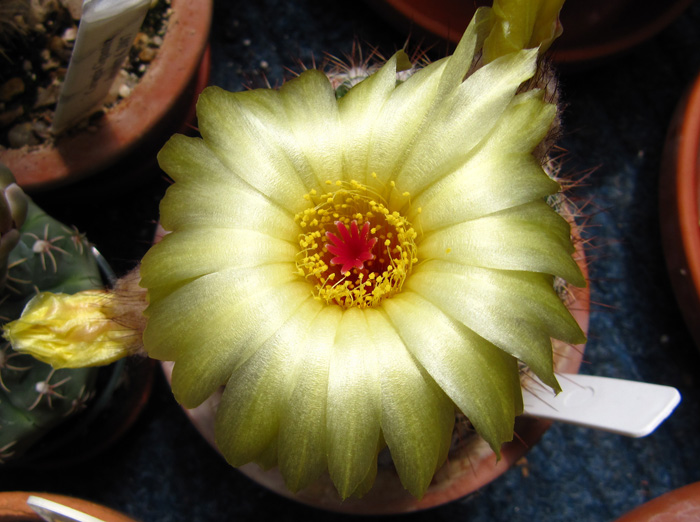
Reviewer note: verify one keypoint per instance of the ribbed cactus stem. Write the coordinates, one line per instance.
(37, 253)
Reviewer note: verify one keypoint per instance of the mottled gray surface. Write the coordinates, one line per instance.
(615, 122)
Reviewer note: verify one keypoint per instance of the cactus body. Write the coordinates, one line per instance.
(45, 256)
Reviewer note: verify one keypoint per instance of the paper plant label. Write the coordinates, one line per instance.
(105, 35)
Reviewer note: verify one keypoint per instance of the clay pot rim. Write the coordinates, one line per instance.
(14, 508)
(82, 153)
(679, 202)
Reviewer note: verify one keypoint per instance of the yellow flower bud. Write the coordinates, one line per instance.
(522, 25)
(71, 331)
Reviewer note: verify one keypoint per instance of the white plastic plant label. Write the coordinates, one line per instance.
(630, 408)
(106, 32)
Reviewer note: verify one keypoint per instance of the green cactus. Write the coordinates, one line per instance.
(37, 253)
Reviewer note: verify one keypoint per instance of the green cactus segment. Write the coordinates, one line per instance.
(46, 256)
(51, 257)
(35, 398)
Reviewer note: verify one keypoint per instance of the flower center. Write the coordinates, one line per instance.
(354, 250)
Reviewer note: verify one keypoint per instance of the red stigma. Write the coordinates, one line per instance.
(352, 248)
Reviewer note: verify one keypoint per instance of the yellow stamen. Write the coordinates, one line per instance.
(378, 278)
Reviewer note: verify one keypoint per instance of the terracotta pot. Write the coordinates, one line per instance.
(679, 199)
(14, 508)
(679, 505)
(593, 29)
(469, 466)
(128, 136)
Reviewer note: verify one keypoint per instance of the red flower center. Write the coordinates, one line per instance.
(352, 247)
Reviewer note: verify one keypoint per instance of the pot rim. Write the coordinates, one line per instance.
(14, 508)
(679, 201)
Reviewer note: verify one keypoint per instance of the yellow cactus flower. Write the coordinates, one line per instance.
(353, 270)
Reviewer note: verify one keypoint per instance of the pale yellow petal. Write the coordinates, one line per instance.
(530, 237)
(312, 117)
(399, 121)
(208, 194)
(302, 436)
(461, 60)
(411, 107)
(212, 324)
(481, 379)
(501, 172)
(358, 111)
(256, 394)
(192, 253)
(367, 482)
(187, 206)
(460, 121)
(517, 311)
(354, 409)
(417, 416)
(249, 134)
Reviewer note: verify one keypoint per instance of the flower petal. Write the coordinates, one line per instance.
(417, 417)
(528, 237)
(500, 174)
(71, 330)
(192, 253)
(461, 60)
(399, 121)
(516, 311)
(353, 412)
(481, 379)
(367, 482)
(212, 324)
(358, 111)
(459, 122)
(249, 134)
(255, 397)
(410, 107)
(208, 194)
(302, 437)
(312, 116)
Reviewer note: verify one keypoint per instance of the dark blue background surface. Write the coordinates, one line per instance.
(615, 122)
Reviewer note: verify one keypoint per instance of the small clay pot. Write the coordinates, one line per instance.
(14, 508)
(126, 139)
(679, 200)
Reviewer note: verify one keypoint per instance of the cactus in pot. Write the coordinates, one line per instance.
(37, 254)
(357, 264)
